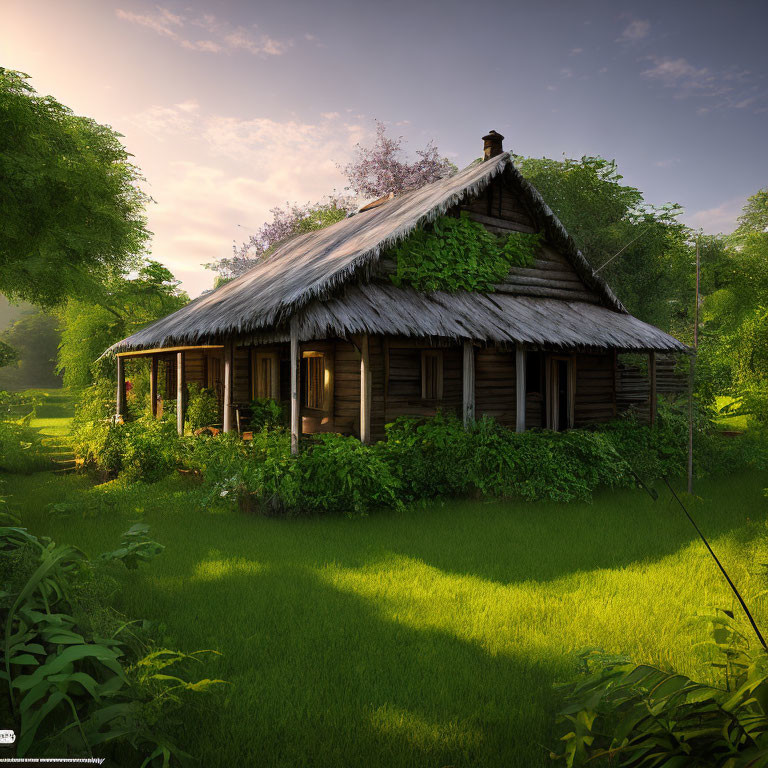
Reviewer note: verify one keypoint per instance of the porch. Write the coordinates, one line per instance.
(357, 385)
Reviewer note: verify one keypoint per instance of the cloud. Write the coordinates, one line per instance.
(226, 173)
(721, 218)
(731, 88)
(667, 163)
(635, 30)
(220, 35)
(576, 51)
(678, 73)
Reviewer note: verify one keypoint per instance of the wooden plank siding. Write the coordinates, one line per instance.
(595, 393)
(495, 389)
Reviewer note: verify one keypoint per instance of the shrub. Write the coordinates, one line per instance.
(428, 456)
(334, 474)
(202, 406)
(639, 716)
(75, 679)
(266, 412)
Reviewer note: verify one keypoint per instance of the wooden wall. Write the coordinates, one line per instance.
(495, 390)
(595, 399)
(403, 396)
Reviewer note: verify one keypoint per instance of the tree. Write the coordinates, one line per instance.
(73, 213)
(375, 171)
(381, 169)
(8, 354)
(286, 222)
(34, 337)
(88, 328)
(653, 274)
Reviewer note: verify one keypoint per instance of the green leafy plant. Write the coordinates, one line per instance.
(266, 412)
(202, 406)
(640, 716)
(457, 254)
(73, 686)
(135, 547)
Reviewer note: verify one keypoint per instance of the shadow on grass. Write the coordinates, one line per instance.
(319, 677)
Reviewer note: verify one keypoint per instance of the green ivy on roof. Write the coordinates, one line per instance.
(458, 254)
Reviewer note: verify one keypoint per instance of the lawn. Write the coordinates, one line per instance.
(427, 637)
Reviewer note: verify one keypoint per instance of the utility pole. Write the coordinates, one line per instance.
(690, 379)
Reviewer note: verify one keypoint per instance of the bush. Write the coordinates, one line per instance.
(76, 677)
(266, 412)
(334, 474)
(202, 407)
(21, 448)
(439, 457)
(639, 716)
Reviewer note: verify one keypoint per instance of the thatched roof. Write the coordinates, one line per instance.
(326, 273)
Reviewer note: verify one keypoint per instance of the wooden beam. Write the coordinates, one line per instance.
(153, 387)
(652, 381)
(468, 383)
(165, 350)
(181, 388)
(295, 415)
(520, 387)
(120, 394)
(229, 352)
(365, 391)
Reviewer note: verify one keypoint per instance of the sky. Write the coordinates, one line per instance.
(231, 108)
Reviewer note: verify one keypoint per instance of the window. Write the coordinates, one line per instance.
(313, 380)
(266, 375)
(431, 374)
(534, 363)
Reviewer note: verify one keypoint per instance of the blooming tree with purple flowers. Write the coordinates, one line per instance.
(374, 172)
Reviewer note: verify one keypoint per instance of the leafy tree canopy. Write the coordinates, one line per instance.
(73, 213)
(8, 354)
(88, 328)
(652, 275)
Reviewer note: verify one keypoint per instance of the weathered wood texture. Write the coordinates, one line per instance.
(181, 392)
(468, 383)
(633, 383)
(495, 390)
(404, 383)
(594, 395)
(365, 390)
(500, 209)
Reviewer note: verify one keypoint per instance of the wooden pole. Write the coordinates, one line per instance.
(365, 391)
(153, 386)
(181, 386)
(652, 403)
(691, 373)
(468, 383)
(228, 355)
(520, 388)
(295, 415)
(120, 394)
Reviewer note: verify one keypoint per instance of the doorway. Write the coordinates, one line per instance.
(561, 394)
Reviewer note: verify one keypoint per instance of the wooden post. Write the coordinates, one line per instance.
(468, 383)
(652, 387)
(181, 387)
(153, 386)
(520, 387)
(295, 371)
(365, 391)
(228, 355)
(690, 422)
(120, 397)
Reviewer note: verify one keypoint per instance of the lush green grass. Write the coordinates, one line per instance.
(734, 422)
(428, 637)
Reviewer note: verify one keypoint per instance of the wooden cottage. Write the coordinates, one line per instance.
(320, 326)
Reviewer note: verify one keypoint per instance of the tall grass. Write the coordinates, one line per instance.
(430, 636)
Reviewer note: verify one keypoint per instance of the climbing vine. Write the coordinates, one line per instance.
(457, 254)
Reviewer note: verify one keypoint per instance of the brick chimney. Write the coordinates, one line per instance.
(492, 145)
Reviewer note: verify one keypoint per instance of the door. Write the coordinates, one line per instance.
(560, 400)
